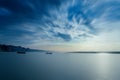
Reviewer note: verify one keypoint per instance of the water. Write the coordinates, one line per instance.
(59, 66)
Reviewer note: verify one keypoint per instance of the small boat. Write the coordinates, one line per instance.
(21, 52)
(48, 53)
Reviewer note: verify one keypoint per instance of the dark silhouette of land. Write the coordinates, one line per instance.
(109, 52)
(12, 48)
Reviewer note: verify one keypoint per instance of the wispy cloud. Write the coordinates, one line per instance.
(57, 21)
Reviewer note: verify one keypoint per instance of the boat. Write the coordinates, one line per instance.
(21, 52)
(49, 53)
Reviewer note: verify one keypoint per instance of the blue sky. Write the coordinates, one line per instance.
(61, 25)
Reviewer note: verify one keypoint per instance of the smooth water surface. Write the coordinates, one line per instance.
(59, 66)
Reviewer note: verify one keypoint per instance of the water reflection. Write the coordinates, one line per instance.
(103, 65)
(59, 66)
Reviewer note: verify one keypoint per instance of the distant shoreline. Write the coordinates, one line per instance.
(97, 52)
(12, 48)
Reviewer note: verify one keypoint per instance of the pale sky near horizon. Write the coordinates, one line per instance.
(61, 25)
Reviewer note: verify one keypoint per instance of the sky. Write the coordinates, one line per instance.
(61, 25)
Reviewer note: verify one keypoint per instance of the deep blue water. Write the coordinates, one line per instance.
(59, 66)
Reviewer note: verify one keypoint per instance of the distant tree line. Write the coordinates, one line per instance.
(12, 48)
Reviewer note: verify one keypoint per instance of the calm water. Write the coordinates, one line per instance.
(59, 66)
